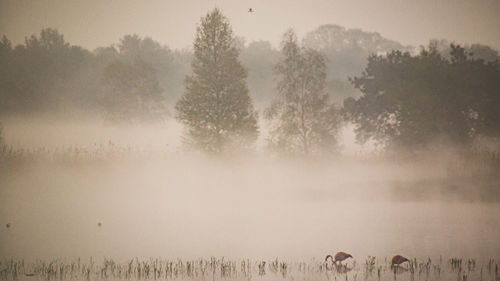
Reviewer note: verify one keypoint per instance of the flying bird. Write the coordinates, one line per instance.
(339, 257)
(398, 259)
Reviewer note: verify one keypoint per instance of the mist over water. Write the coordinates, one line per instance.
(284, 135)
(161, 202)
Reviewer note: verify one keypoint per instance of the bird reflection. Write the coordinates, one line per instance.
(340, 268)
(399, 270)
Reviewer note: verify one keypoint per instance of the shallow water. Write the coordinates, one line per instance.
(154, 201)
(190, 208)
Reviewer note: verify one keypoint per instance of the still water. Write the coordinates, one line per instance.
(191, 208)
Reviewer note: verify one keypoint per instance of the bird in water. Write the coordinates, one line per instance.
(397, 260)
(250, 10)
(339, 257)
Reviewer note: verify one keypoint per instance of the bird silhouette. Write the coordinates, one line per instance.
(250, 10)
(397, 260)
(339, 257)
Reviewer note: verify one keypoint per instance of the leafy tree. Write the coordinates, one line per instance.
(5, 70)
(415, 102)
(171, 66)
(303, 119)
(40, 73)
(106, 55)
(46, 73)
(259, 58)
(484, 52)
(216, 108)
(132, 92)
(2, 139)
(475, 51)
(346, 51)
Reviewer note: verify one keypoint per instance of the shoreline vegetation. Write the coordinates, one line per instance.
(213, 268)
(466, 177)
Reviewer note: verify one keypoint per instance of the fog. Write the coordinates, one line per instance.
(158, 201)
(190, 209)
(239, 137)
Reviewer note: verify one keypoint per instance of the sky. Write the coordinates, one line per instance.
(95, 23)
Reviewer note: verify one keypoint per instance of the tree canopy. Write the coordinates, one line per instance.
(132, 92)
(303, 119)
(259, 58)
(34, 73)
(46, 73)
(216, 109)
(346, 51)
(414, 102)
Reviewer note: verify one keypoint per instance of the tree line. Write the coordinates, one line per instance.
(401, 100)
(427, 100)
(123, 82)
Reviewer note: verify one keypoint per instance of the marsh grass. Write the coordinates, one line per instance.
(470, 177)
(463, 165)
(243, 269)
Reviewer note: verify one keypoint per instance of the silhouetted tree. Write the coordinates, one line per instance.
(40, 73)
(475, 51)
(46, 73)
(132, 92)
(216, 108)
(2, 138)
(411, 102)
(304, 121)
(6, 79)
(171, 66)
(346, 51)
(259, 58)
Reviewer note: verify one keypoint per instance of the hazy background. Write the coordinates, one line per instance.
(68, 167)
(180, 206)
(96, 23)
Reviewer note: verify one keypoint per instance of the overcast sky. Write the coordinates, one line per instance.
(93, 23)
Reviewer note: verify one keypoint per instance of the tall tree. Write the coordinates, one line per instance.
(304, 121)
(216, 108)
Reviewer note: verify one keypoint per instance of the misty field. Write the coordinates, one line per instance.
(123, 199)
(289, 140)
